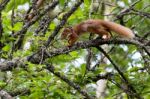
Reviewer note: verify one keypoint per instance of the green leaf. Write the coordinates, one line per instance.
(86, 2)
(2, 84)
(62, 2)
(74, 54)
(83, 69)
(17, 26)
(6, 48)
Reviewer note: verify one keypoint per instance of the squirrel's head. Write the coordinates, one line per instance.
(66, 33)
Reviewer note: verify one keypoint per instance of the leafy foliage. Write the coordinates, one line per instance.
(31, 80)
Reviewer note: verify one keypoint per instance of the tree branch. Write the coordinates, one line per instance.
(5, 95)
(24, 29)
(3, 4)
(70, 83)
(36, 57)
(130, 88)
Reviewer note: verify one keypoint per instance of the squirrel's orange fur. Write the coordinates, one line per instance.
(96, 26)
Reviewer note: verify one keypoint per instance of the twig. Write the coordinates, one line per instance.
(146, 61)
(29, 10)
(3, 4)
(88, 59)
(19, 91)
(127, 10)
(23, 31)
(46, 20)
(140, 13)
(1, 30)
(10, 54)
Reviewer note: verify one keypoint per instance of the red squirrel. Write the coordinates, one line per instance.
(96, 26)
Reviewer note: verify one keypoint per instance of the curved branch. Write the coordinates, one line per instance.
(36, 57)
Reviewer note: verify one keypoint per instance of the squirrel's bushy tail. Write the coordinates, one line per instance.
(121, 30)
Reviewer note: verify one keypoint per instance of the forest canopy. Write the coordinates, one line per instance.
(35, 62)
